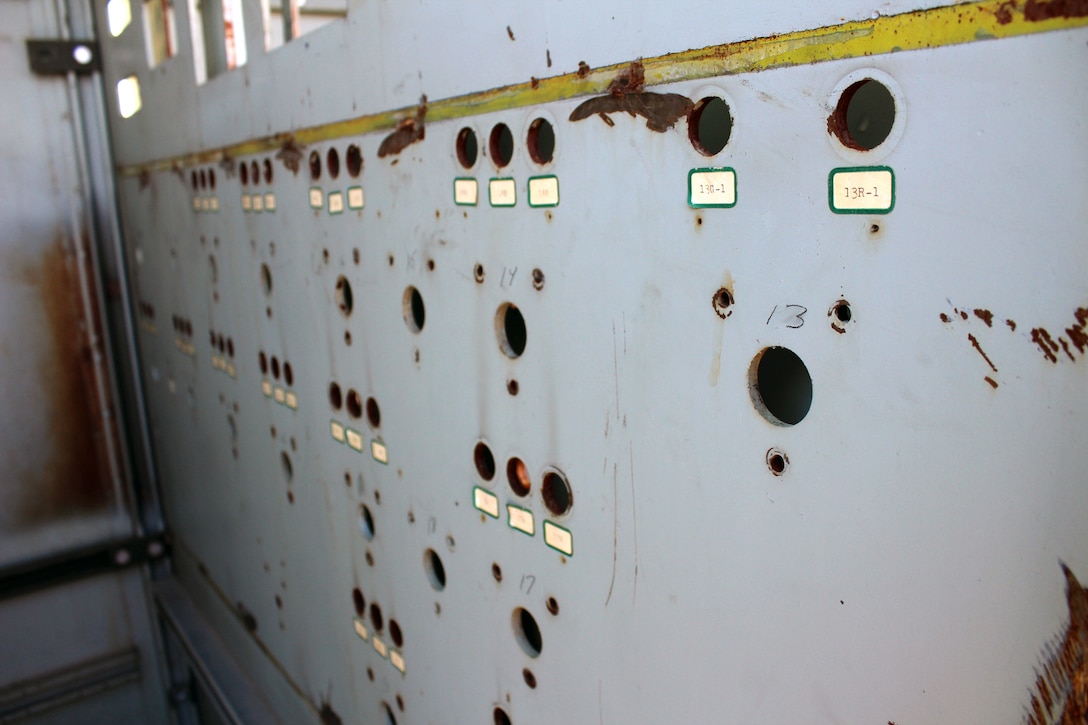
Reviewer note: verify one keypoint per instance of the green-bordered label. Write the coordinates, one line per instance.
(543, 191)
(466, 192)
(712, 188)
(317, 198)
(520, 519)
(861, 190)
(485, 501)
(356, 199)
(559, 538)
(502, 192)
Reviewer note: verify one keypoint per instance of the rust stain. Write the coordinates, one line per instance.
(408, 132)
(962, 314)
(1011, 324)
(1003, 14)
(1042, 338)
(248, 620)
(145, 178)
(1077, 331)
(974, 343)
(945, 318)
(290, 154)
(1038, 10)
(991, 381)
(228, 165)
(583, 69)
(625, 93)
(1063, 679)
(509, 32)
(548, 54)
(534, 82)
(986, 316)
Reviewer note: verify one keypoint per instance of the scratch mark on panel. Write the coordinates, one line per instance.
(634, 517)
(615, 526)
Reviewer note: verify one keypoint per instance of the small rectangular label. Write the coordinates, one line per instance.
(485, 501)
(257, 203)
(354, 439)
(245, 202)
(861, 190)
(215, 362)
(558, 538)
(380, 647)
(356, 199)
(543, 191)
(465, 192)
(336, 202)
(214, 203)
(337, 431)
(710, 188)
(361, 630)
(317, 199)
(502, 192)
(206, 203)
(397, 660)
(278, 395)
(196, 203)
(231, 370)
(266, 388)
(378, 450)
(291, 400)
(269, 201)
(520, 519)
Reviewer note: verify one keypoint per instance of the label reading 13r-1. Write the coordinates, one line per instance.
(861, 190)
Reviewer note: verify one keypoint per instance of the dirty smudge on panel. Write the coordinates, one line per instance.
(1061, 679)
(408, 132)
(290, 154)
(626, 94)
(1039, 10)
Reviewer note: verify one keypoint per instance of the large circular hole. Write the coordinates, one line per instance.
(266, 279)
(395, 633)
(510, 328)
(254, 172)
(527, 632)
(275, 367)
(502, 145)
(243, 174)
(315, 166)
(781, 386)
(288, 374)
(864, 116)
(332, 163)
(373, 413)
(436, 573)
(359, 601)
(336, 398)
(344, 300)
(366, 522)
(262, 362)
(415, 314)
(558, 498)
(267, 170)
(484, 460)
(354, 160)
(709, 126)
(376, 616)
(517, 474)
(354, 403)
(467, 148)
(541, 141)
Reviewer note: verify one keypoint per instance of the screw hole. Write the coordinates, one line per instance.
(496, 571)
(478, 272)
(777, 461)
(553, 605)
(529, 677)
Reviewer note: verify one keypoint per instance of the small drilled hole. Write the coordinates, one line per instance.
(501, 146)
(369, 558)
(467, 147)
(366, 520)
(553, 605)
(345, 302)
(864, 115)
(288, 374)
(538, 279)
(517, 474)
(527, 632)
(354, 160)
(485, 461)
(395, 633)
(510, 328)
(275, 368)
(354, 404)
(541, 141)
(781, 387)
(478, 272)
(315, 166)
(496, 571)
(777, 461)
(558, 497)
(262, 362)
(529, 677)
(512, 386)
(415, 313)
(332, 163)
(436, 572)
(266, 279)
(373, 413)
(709, 126)
(376, 616)
(336, 398)
(359, 601)
(723, 301)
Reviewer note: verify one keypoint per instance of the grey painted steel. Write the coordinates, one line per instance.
(905, 568)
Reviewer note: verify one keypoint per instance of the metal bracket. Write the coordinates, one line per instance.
(58, 57)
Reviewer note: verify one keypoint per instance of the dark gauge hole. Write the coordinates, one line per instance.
(267, 170)
(723, 302)
(344, 300)
(512, 386)
(373, 413)
(541, 141)
(266, 279)
(354, 160)
(777, 461)
(376, 616)
(436, 573)
(359, 601)
(275, 367)
(230, 347)
(502, 145)
(467, 148)
(864, 115)
(538, 279)
(315, 166)
(553, 605)
(354, 404)
(369, 558)
(517, 474)
(288, 374)
(496, 571)
(499, 717)
(709, 126)
(558, 498)
(527, 632)
(336, 398)
(485, 461)
(510, 328)
(389, 718)
(262, 361)
(203, 179)
(366, 521)
(529, 677)
(400, 702)
(211, 179)
(285, 464)
(243, 174)
(781, 386)
(194, 180)
(370, 674)
(478, 272)
(395, 633)
(332, 163)
(414, 312)
(254, 173)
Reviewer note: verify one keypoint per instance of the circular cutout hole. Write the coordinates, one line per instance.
(211, 178)
(354, 159)
(478, 272)
(541, 141)
(723, 302)
(709, 126)
(842, 312)
(517, 474)
(510, 328)
(203, 179)
(499, 717)
(864, 116)
(558, 498)
(354, 404)
(436, 573)
(553, 605)
(502, 145)
(275, 367)
(336, 398)
(527, 632)
(315, 166)
(266, 279)
(467, 147)
(484, 460)
(366, 521)
(288, 374)
(332, 163)
(262, 362)
(344, 299)
(529, 677)
(376, 616)
(414, 312)
(254, 173)
(359, 601)
(373, 413)
(230, 347)
(777, 461)
(496, 571)
(781, 387)
(243, 173)
(194, 179)
(285, 464)
(395, 633)
(267, 170)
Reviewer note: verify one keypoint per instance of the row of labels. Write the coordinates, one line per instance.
(543, 191)
(257, 203)
(186, 346)
(338, 201)
(854, 190)
(221, 363)
(281, 395)
(523, 520)
(384, 651)
(354, 440)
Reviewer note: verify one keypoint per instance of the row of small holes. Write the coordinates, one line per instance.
(555, 489)
(353, 159)
(251, 173)
(540, 142)
(202, 179)
(353, 403)
(226, 347)
(147, 309)
(274, 364)
(415, 312)
(183, 326)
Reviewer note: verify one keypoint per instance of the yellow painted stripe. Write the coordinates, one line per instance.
(918, 30)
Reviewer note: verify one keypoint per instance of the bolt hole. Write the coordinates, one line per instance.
(512, 386)
(359, 601)
(415, 313)
(538, 279)
(496, 571)
(558, 497)
(266, 279)
(553, 605)
(373, 413)
(501, 145)
(723, 301)
(395, 633)
(541, 141)
(484, 460)
(436, 572)
(529, 677)
(315, 166)
(527, 632)
(345, 302)
(354, 404)
(842, 311)
(864, 115)
(874, 228)
(510, 328)
(467, 147)
(366, 520)
(517, 474)
(478, 272)
(777, 461)
(709, 126)
(780, 386)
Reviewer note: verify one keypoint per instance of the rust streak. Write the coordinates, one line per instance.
(991, 381)
(1077, 332)
(1011, 324)
(290, 154)
(1042, 338)
(986, 316)
(1003, 14)
(1038, 10)
(583, 69)
(974, 343)
(509, 32)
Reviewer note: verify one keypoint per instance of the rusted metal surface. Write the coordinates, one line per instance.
(408, 132)
(1060, 692)
(626, 94)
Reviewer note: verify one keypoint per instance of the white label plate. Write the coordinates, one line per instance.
(354, 439)
(337, 431)
(270, 201)
(543, 191)
(336, 202)
(558, 538)
(502, 192)
(397, 659)
(712, 188)
(278, 395)
(379, 646)
(317, 199)
(356, 199)
(465, 192)
(257, 204)
(520, 519)
(485, 501)
(266, 388)
(291, 400)
(868, 190)
(245, 202)
(361, 630)
(379, 451)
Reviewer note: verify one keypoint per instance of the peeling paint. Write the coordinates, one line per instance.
(408, 132)
(1061, 679)
(291, 154)
(625, 93)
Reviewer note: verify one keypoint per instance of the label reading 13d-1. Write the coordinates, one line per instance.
(712, 188)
